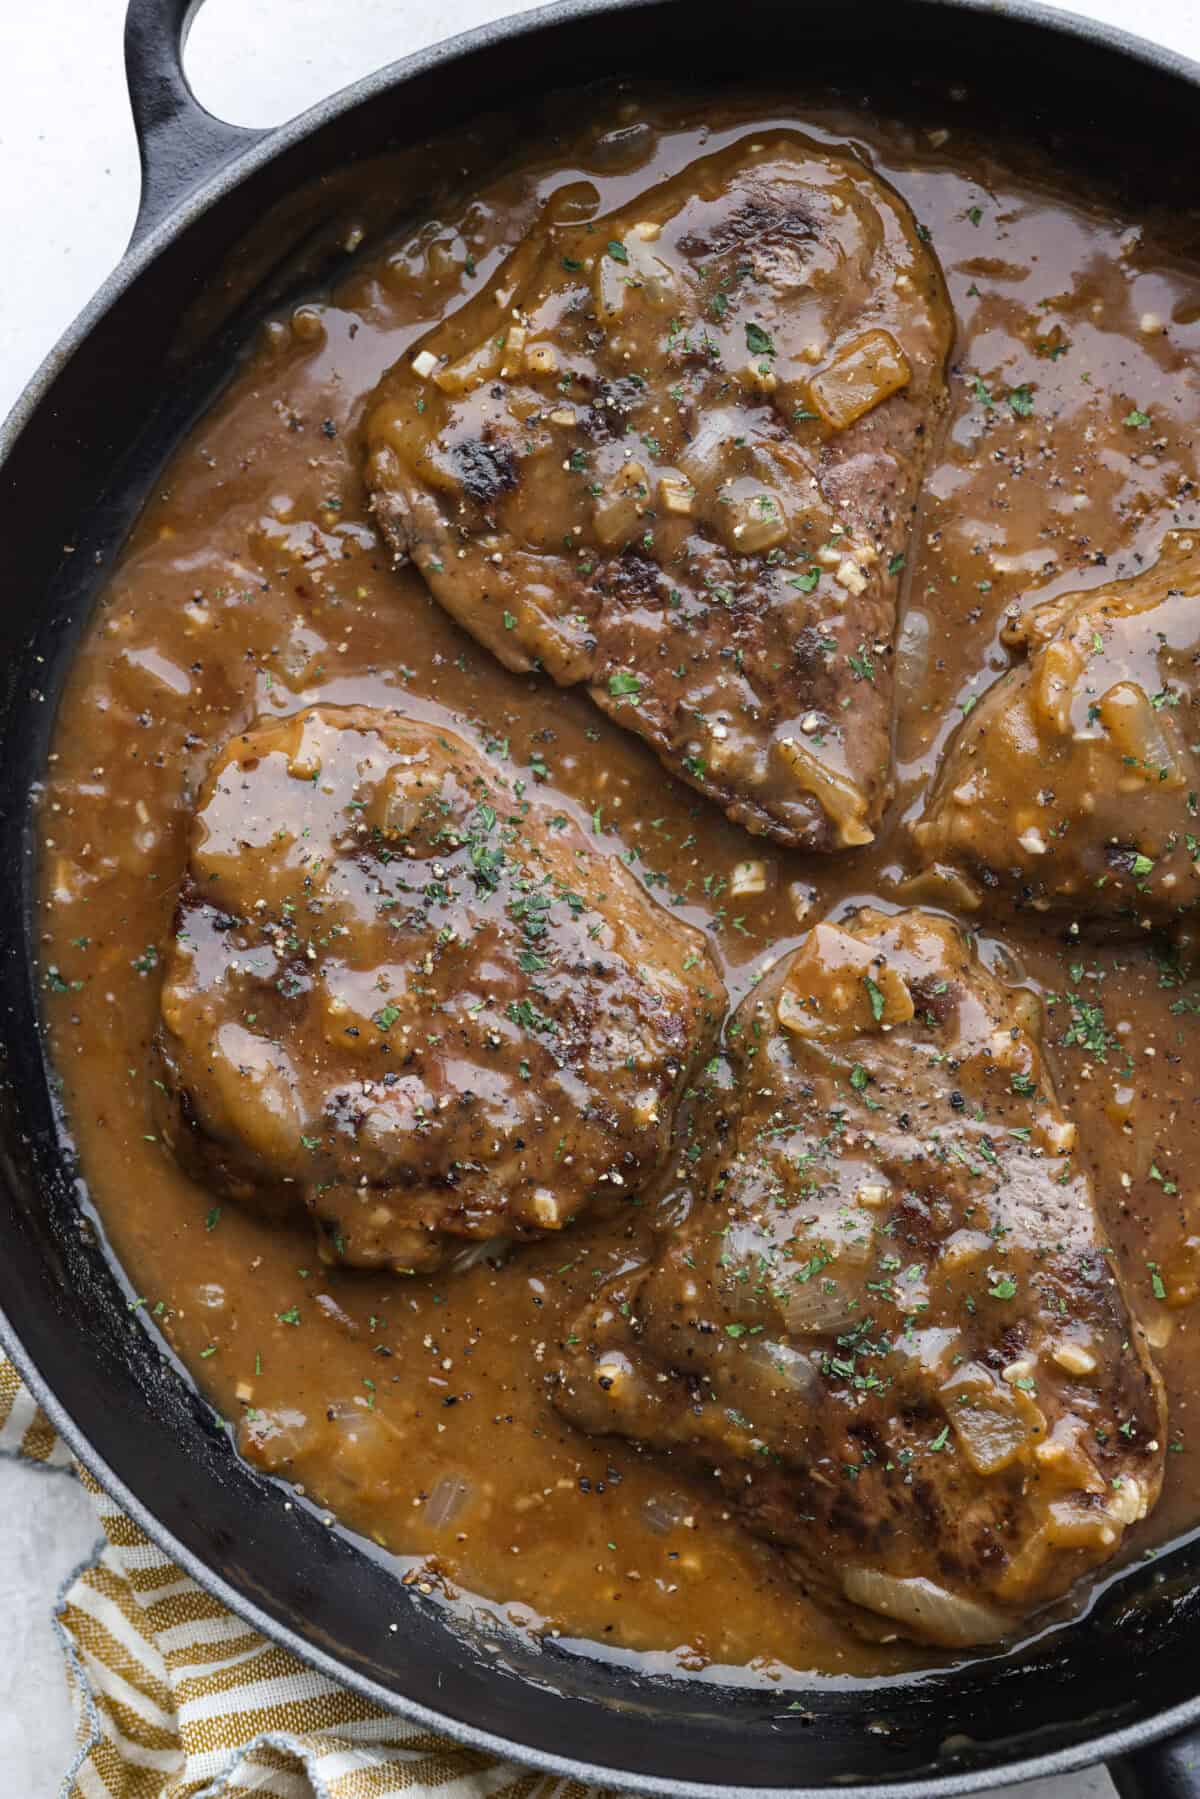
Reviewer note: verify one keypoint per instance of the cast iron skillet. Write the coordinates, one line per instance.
(76, 458)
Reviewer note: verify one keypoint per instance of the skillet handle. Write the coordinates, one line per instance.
(179, 142)
(1167, 1770)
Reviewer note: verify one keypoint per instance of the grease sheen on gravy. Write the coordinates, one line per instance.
(255, 584)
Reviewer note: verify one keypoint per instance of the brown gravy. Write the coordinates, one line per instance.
(255, 585)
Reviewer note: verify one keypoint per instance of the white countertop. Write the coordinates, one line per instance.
(67, 199)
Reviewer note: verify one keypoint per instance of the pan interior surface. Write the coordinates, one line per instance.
(111, 408)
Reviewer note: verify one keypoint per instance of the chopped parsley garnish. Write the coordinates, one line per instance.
(526, 1014)
(1087, 1029)
(487, 859)
(862, 665)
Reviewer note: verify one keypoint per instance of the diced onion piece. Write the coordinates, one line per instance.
(663, 1515)
(993, 1422)
(473, 369)
(748, 878)
(846, 1235)
(825, 994)
(1054, 684)
(1137, 733)
(642, 272)
(541, 359)
(990, 1437)
(759, 374)
(821, 1291)
(359, 1447)
(1025, 1567)
(1027, 1014)
(307, 739)
(617, 513)
(544, 1210)
(873, 1194)
(941, 884)
(675, 494)
(784, 1367)
(1059, 1135)
(925, 1610)
(801, 1019)
(1073, 1358)
(611, 280)
(401, 807)
(913, 653)
(440, 259)
(705, 459)
(1070, 1525)
(612, 1370)
(898, 1005)
(861, 376)
(752, 518)
(801, 898)
(256, 1087)
(963, 1247)
(489, 1249)
(448, 1499)
(1126, 1504)
(824, 1305)
(841, 799)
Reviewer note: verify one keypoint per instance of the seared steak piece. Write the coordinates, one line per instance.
(893, 1331)
(1072, 786)
(404, 999)
(673, 453)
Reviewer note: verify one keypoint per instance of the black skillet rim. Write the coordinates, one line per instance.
(143, 251)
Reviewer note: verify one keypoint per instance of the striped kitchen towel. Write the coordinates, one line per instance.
(175, 1698)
